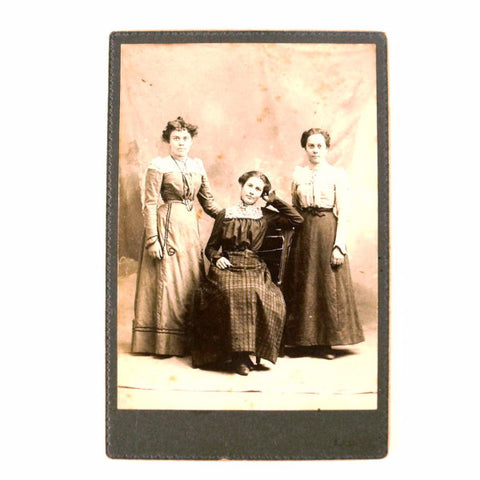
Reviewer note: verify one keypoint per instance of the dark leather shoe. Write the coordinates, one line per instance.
(248, 362)
(242, 369)
(326, 352)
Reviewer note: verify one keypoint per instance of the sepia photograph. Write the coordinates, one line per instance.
(246, 182)
(228, 243)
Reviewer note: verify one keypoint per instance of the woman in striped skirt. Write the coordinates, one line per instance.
(243, 311)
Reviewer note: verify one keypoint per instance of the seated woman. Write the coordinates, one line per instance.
(243, 311)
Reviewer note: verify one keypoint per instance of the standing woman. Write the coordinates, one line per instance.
(171, 263)
(319, 294)
(243, 310)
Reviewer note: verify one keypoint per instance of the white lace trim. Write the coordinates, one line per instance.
(244, 211)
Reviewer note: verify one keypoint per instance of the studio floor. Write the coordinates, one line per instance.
(349, 382)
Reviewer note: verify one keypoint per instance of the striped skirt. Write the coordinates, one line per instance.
(242, 310)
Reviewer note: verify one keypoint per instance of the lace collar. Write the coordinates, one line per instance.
(241, 210)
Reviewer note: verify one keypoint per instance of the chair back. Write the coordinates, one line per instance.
(275, 250)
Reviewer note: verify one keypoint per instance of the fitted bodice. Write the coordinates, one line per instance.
(317, 187)
(167, 180)
(234, 233)
(177, 187)
(325, 187)
(243, 234)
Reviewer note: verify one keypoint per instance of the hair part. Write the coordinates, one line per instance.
(255, 173)
(178, 124)
(313, 131)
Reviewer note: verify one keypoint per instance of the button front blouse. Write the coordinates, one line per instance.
(324, 187)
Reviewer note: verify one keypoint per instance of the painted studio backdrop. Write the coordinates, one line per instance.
(251, 103)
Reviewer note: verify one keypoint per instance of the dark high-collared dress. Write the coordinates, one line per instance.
(242, 309)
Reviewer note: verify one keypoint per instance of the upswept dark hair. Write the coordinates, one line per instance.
(178, 124)
(255, 173)
(313, 131)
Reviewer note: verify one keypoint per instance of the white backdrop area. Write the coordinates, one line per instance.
(252, 102)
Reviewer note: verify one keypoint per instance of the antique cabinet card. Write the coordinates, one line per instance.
(251, 95)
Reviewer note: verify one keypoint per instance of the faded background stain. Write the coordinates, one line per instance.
(251, 103)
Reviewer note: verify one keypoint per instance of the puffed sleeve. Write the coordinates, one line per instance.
(215, 241)
(286, 213)
(342, 209)
(153, 184)
(205, 196)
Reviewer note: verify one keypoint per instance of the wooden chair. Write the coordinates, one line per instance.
(274, 252)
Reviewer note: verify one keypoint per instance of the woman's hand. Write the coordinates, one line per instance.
(155, 251)
(223, 263)
(269, 197)
(337, 257)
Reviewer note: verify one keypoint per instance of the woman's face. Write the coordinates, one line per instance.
(316, 148)
(180, 143)
(252, 190)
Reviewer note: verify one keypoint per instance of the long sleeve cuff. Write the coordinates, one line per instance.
(214, 258)
(341, 235)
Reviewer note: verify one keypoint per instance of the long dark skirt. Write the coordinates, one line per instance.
(321, 308)
(242, 311)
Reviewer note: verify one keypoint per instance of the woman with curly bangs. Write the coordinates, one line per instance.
(171, 262)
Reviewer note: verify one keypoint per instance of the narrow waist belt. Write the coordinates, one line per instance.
(186, 201)
(179, 201)
(242, 252)
(318, 211)
(244, 260)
